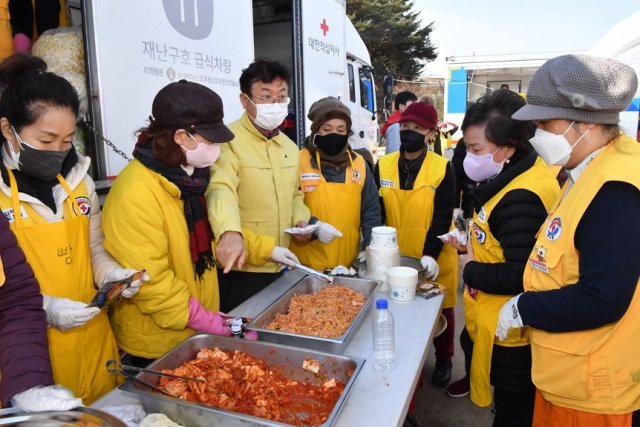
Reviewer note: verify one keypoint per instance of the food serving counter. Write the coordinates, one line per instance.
(377, 398)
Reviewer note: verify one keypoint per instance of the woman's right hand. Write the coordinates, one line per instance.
(453, 241)
(203, 320)
(64, 313)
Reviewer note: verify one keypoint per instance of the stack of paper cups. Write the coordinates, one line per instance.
(382, 253)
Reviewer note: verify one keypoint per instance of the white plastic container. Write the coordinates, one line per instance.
(379, 261)
(384, 238)
(403, 282)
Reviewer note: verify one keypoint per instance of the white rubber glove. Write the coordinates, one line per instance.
(509, 318)
(48, 398)
(327, 232)
(362, 256)
(284, 256)
(64, 313)
(431, 267)
(123, 273)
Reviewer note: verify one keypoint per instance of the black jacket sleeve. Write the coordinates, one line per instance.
(370, 215)
(24, 349)
(376, 179)
(514, 222)
(608, 239)
(464, 184)
(443, 205)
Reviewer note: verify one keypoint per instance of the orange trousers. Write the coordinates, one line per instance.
(546, 414)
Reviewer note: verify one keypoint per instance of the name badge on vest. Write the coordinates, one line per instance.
(538, 262)
(482, 215)
(554, 230)
(309, 176)
(9, 213)
(387, 183)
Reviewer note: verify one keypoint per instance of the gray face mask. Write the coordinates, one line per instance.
(40, 164)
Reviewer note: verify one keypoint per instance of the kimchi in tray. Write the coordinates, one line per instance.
(242, 381)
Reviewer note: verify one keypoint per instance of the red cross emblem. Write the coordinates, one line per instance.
(324, 27)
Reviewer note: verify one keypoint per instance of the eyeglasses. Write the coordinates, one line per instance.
(268, 99)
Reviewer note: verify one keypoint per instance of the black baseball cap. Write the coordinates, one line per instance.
(191, 106)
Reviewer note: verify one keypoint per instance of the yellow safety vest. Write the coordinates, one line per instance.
(338, 204)
(410, 212)
(59, 254)
(481, 311)
(596, 370)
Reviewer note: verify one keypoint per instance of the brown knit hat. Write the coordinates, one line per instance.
(326, 109)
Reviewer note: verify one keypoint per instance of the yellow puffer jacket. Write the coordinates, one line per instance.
(144, 226)
(254, 185)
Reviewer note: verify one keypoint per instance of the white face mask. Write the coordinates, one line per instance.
(554, 149)
(270, 116)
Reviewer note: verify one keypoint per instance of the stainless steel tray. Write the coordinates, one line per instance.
(310, 285)
(82, 416)
(289, 360)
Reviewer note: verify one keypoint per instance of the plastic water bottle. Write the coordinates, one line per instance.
(383, 338)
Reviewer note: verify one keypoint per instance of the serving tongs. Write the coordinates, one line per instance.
(314, 273)
(129, 372)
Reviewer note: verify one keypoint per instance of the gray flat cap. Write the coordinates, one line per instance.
(583, 88)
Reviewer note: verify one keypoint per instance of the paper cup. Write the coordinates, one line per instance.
(384, 238)
(402, 283)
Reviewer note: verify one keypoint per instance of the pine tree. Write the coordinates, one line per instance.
(394, 35)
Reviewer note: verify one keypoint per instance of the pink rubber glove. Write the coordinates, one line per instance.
(22, 44)
(251, 335)
(202, 320)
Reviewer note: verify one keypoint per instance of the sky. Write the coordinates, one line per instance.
(468, 27)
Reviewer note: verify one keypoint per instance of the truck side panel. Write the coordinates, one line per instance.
(136, 53)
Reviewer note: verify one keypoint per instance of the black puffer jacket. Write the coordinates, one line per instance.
(514, 222)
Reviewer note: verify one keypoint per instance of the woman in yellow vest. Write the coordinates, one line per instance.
(582, 299)
(338, 189)
(54, 212)
(417, 189)
(515, 191)
(155, 218)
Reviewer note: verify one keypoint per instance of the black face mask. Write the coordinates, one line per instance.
(41, 164)
(411, 141)
(331, 143)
